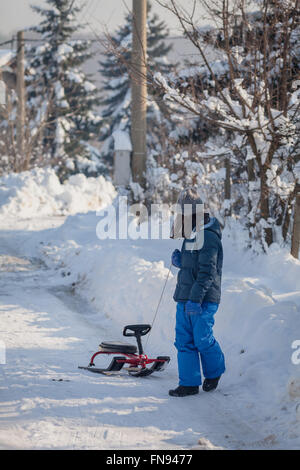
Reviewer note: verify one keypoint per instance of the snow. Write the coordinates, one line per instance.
(64, 291)
(5, 57)
(59, 90)
(89, 87)
(122, 140)
(39, 192)
(74, 77)
(2, 93)
(62, 51)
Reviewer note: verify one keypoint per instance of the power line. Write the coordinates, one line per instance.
(7, 42)
(85, 10)
(11, 41)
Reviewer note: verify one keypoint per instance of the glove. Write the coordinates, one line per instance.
(176, 258)
(193, 308)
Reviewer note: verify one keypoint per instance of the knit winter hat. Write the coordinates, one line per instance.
(189, 203)
(192, 197)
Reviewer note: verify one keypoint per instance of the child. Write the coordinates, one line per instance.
(197, 294)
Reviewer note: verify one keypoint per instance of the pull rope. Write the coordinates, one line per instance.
(159, 302)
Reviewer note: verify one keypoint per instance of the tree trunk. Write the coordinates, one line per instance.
(296, 228)
(264, 204)
(287, 215)
(21, 101)
(227, 186)
(251, 179)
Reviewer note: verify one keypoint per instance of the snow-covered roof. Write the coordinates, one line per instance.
(122, 140)
(5, 56)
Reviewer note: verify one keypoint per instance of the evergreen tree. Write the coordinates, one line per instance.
(116, 112)
(71, 94)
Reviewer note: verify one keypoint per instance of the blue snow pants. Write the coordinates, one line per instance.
(194, 336)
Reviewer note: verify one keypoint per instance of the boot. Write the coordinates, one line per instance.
(182, 391)
(210, 384)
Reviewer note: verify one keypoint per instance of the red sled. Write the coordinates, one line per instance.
(132, 355)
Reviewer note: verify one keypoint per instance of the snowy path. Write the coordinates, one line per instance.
(47, 403)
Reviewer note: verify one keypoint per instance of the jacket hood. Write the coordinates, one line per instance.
(214, 226)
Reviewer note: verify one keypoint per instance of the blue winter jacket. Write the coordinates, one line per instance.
(199, 278)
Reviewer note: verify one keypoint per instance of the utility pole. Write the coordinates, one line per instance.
(21, 97)
(139, 91)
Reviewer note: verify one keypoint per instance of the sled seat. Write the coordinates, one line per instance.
(118, 347)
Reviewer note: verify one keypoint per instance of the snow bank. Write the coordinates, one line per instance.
(39, 192)
(121, 279)
(257, 322)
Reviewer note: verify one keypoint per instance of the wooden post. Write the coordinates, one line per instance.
(296, 226)
(21, 97)
(139, 91)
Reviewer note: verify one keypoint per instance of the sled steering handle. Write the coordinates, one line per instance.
(137, 330)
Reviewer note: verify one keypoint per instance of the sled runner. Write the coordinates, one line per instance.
(132, 355)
